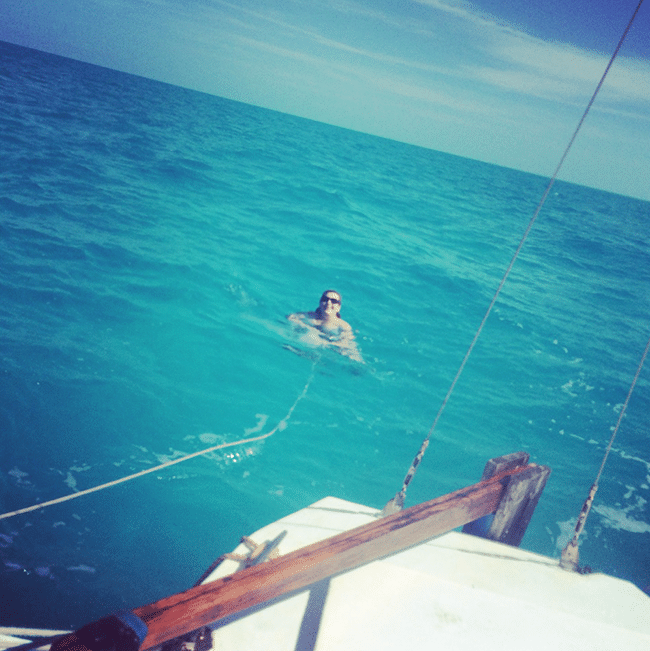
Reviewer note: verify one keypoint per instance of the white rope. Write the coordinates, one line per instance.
(281, 425)
(622, 413)
(569, 556)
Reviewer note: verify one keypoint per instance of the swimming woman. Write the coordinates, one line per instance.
(327, 323)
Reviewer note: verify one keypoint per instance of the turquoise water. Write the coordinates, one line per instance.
(153, 240)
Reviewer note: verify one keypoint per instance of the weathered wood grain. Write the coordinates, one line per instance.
(187, 611)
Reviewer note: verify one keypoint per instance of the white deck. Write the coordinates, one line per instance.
(455, 592)
(12, 636)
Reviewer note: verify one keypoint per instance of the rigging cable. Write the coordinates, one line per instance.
(397, 502)
(280, 426)
(569, 556)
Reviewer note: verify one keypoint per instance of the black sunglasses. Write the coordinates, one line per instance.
(336, 301)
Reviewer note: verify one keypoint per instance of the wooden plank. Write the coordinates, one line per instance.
(506, 462)
(494, 466)
(204, 604)
(518, 504)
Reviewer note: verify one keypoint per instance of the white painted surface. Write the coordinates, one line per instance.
(454, 592)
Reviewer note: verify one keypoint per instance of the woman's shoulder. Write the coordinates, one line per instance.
(299, 316)
(344, 325)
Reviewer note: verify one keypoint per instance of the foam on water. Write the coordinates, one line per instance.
(153, 240)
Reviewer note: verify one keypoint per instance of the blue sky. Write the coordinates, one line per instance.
(503, 81)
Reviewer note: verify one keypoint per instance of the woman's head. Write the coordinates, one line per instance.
(328, 297)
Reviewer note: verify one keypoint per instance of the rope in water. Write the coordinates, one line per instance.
(280, 426)
(398, 501)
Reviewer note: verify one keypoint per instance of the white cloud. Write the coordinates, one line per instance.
(563, 71)
(462, 10)
(502, 58)
(550, 70)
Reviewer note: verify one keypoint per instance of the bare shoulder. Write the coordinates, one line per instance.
(299, 316)
(345, 326)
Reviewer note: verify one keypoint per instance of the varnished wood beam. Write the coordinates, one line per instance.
(187, 611)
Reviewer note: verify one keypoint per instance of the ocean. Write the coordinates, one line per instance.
(153, 240)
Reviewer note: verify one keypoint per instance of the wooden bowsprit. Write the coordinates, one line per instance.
(205, 604)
